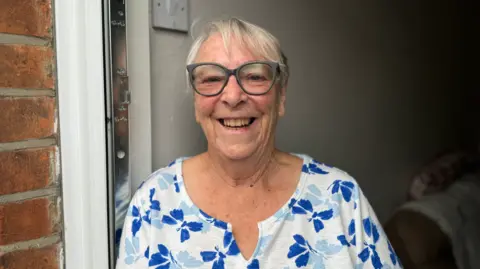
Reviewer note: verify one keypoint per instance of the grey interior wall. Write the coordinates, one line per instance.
(371, 91)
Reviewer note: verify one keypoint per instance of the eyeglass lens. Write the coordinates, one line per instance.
(254, 78)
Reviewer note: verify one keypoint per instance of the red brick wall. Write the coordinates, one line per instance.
(30, 212)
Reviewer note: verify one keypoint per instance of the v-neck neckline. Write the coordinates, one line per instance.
(277, 217)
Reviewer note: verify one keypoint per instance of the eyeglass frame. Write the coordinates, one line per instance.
(234, 72)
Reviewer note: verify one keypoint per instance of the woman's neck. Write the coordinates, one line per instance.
(246, 172)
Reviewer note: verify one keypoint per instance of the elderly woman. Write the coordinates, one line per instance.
(244, 203)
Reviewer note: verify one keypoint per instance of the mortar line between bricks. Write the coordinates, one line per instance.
(28, 144)
(10, 39)
(21, 196)
(35, 243)
(11, 92)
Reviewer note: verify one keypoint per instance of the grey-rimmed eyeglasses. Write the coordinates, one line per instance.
(254, 78)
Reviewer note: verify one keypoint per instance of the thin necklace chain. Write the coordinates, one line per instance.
(252, 183)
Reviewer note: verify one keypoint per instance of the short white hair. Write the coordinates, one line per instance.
(255, 38)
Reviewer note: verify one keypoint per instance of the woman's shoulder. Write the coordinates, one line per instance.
(325, 176)
(163, 180)
(325, 184)
(337, 206)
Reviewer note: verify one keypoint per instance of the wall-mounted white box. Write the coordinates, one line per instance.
(170, 14)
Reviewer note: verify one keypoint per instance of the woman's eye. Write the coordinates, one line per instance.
(256, 78)
(211, 79)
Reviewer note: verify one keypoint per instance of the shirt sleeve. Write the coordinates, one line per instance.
(134, 243)
(369, 245)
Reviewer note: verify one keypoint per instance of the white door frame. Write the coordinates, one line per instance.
(81, 97)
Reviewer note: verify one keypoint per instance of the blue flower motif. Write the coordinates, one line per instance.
(147, 253)
(188, 261)
(136, 220)
(346, 188)
(154, 204)
(217, 256)
(320, 163)
(317, 218)
(165, 180)
(371, 229)
(175, 183)
(187, 211)
(314, 195)
(314, 168)
(217, 223)
(303, 207)
(284, 213)
(163, 259)
(147, 217)
(230, 244)
(175, 218)
(292, 202)
(254, 265)
(132, 246)
(323, 250)
(304, 254)
(183, 259)
(369, 251)
(300, 250)
(351, 233)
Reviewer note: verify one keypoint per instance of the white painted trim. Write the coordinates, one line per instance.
(79, 47)
(139, 72)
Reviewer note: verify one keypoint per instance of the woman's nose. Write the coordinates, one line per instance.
(233, 94)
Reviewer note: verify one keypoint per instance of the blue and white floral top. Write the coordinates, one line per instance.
(327, 223)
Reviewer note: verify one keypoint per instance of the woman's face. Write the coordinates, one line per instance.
(233, 107)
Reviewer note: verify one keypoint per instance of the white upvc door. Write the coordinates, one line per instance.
(83, 94)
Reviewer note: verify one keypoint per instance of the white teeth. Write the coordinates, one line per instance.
(236, 122)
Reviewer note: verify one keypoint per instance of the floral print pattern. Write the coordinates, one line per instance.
(327, 223)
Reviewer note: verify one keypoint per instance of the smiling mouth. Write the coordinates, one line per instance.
(237, 123)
